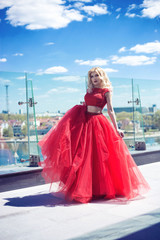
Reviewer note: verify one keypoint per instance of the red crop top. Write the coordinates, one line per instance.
(96, 97)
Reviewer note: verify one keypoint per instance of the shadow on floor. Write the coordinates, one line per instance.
(52, 200)
(152, 232)
(142, 227)
(48, 200)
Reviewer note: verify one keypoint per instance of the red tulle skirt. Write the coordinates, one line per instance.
(86, 157)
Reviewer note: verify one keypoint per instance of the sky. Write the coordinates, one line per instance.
(56, 42)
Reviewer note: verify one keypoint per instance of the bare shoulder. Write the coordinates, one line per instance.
(108, 94)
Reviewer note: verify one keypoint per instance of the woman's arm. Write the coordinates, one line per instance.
(112, 113)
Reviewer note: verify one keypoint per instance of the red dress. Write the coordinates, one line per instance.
(85, 155)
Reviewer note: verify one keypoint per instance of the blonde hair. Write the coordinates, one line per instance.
(103, 76)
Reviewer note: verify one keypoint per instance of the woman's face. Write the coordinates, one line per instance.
(95, 79)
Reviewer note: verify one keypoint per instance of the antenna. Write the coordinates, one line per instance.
(7, 102)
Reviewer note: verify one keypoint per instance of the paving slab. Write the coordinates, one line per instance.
(34, 213)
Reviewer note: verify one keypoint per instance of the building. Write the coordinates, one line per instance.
(130, 109)
(5, 112)
(20, 111)
(17, 130)
(153, 109)
(48, 114)
(44, 130)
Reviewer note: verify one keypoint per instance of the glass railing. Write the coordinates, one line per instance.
(31, 104)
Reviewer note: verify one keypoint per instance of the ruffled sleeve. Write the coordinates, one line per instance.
(107, 90)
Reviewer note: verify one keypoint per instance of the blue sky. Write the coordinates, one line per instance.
(53, 38)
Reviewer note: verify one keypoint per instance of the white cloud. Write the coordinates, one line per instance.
(40, 14)
(148, 8)
(49, 43)
(4, 81)
(122, 86)
(68, 78)
(78, 5)
(109, 70)
(5, 3)
(49, 13)
(58, 90)
(63, 90)
(131, 15)
(24, 89)
(129, 12)
(151, 8)
(18, 54)
(81, 1)
(89, 19)
(53, 70)
(21, 78)
(98, 9)
(122, 49)
(143, 91)
(150, 47)
(133, 60)
(42, 96)
(131, 7)
(156, 89)
(96, 62)
(118, 9)
(3, 59)
(118, 16)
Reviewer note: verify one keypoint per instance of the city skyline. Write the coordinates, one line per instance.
(69, 91)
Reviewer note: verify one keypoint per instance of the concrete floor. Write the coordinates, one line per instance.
(33, 213)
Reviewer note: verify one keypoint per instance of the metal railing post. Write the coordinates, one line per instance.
(27, 108)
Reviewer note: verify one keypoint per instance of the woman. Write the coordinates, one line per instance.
(86, 155)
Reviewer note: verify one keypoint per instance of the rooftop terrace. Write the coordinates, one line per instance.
(34, 213)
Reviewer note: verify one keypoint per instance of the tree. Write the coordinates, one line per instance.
(124, 115)
(148, 121)
(8, 132)
(156, 119)
(137, 116)
(5, 132)
(24, 130)
(19, 117)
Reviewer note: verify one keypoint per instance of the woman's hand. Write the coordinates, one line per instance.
(120, 132)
